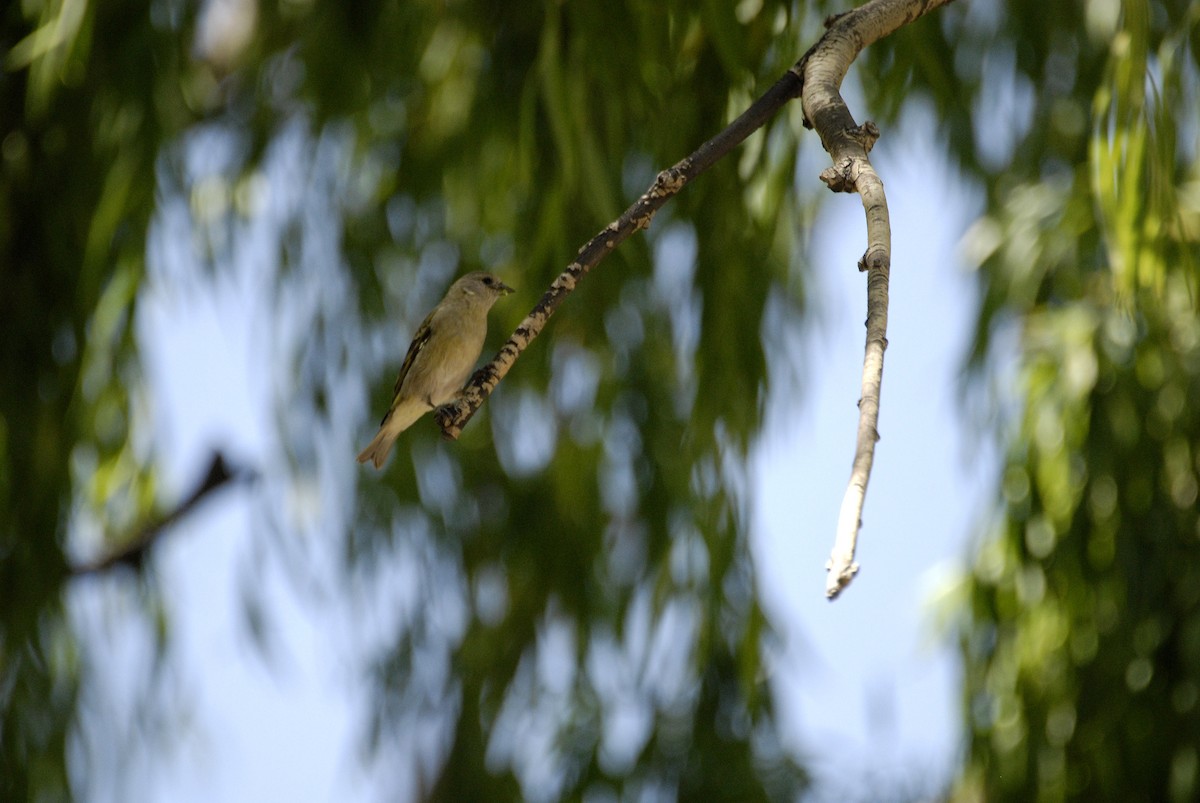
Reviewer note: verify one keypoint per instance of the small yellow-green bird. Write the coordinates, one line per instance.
(442, 354)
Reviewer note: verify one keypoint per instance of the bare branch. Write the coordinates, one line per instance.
(848, 144)
(817, 77)
(133, 552)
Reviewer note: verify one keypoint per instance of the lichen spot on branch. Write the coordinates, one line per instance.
(567, 279)
(669, 181)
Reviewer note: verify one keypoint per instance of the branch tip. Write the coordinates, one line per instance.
(837, 581)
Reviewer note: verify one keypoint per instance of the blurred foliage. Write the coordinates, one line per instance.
(81, 121)
(1081, 616)
(578, 612)
(450, 137)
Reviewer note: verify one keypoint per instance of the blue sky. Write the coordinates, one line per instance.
(867, 684)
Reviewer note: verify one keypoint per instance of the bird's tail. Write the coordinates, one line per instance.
(377, 450)
(396, 421)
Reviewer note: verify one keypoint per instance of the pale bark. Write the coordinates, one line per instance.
(849, 144)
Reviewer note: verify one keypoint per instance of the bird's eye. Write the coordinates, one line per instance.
(487, 280)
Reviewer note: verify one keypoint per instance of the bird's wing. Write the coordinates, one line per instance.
(420, 339)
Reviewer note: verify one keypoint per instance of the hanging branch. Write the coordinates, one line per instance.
(817, 76)
(848, 145)
(133, 552)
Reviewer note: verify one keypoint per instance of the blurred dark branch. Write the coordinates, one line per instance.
(849, 144)
(133, 552)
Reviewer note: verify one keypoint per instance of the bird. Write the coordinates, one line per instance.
(442, 354)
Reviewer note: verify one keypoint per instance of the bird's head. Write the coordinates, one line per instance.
(481, 284)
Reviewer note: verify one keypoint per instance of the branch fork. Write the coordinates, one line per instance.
(816, 78)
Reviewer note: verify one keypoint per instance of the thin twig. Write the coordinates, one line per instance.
(848, 145)
(454, 416)
(133, 552)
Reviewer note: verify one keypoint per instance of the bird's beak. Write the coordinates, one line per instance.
(505, 289)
